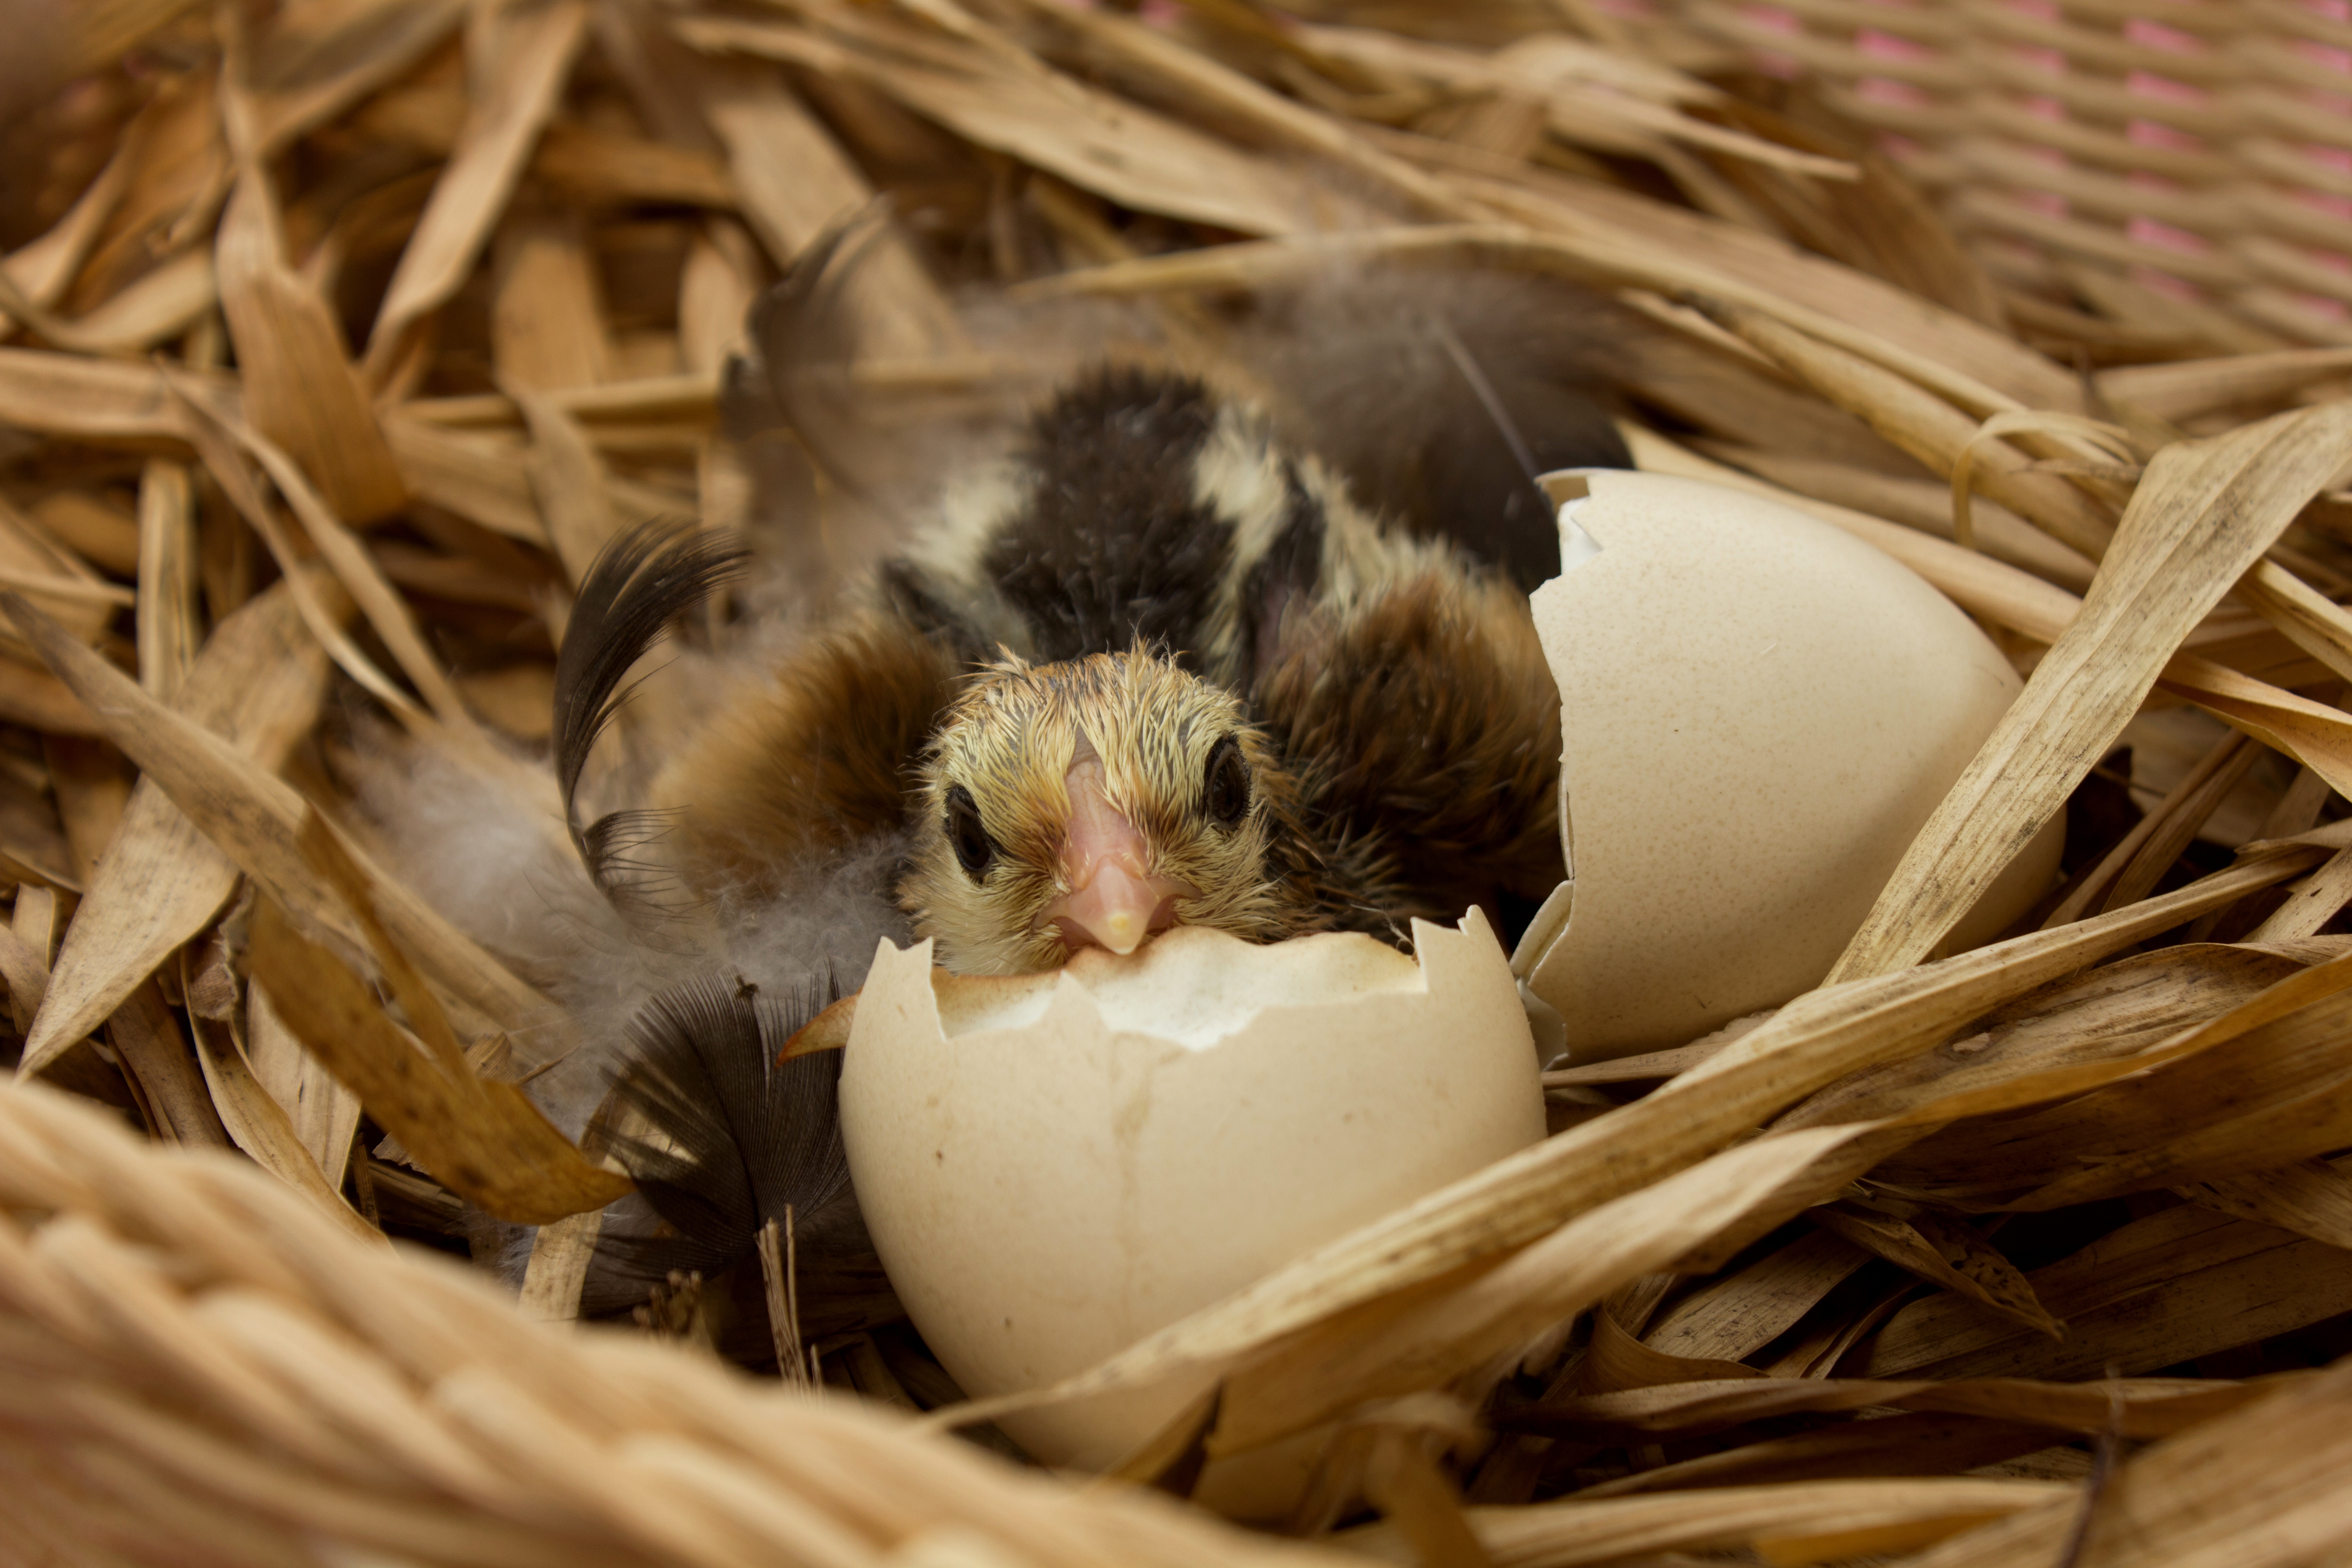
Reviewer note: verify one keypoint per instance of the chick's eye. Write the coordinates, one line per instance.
(975, 850)
(1225, 791)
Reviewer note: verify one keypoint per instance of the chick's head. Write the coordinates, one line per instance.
(1092, 803)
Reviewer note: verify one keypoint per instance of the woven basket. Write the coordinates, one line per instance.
(200, 1367)
(2196, 154)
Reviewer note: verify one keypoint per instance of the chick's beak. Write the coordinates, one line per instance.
(1114, 901)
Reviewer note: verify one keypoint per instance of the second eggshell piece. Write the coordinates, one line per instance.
(1757, 713)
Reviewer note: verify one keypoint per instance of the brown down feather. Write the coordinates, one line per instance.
(1426, 726)
(806, 763)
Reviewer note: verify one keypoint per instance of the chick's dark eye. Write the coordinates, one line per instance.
(1225, 791)
(975, 850)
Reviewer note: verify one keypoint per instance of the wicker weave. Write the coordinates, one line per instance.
(198, 1366)
(2106, 149)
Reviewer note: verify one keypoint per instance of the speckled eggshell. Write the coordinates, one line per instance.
(1055, 1165)
(1757, 713)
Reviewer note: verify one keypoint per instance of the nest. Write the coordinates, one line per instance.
(341, 333)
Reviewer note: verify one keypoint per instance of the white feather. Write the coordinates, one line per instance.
(486, 859)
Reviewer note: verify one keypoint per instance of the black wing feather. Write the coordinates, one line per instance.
(639, 583)
(731, 1139)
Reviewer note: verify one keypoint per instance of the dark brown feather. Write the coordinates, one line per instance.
(1114, 543)
(1426, 731)
(814, 761)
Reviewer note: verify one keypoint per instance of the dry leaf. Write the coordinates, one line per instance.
(254, 817)
(2143, 1407)
(796, 183)
(1098, 143)
(2161, 1291)
(1944, 1252)
(1741, 1313)
(547, 328)
(311, 62)
(1913, 1445)
(301, 391)
(485, 1141)
(216, 445)
(94, 528)
(2109, 1013)
(324, 1114)
(386, 612)
(88, 400)
(1569, 1534)
(2204, 512)
(255, 1121)
(559, 1256)
(92, 789)
(2187, 388)
(170, 628)
(2310, 1197)
(2255, 1490)
(146, 1036)
(520, 82)
(257, 684)
(570, 484)
(480, 479)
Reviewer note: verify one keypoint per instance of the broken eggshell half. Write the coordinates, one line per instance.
(1054, 1166)
(1758, 712)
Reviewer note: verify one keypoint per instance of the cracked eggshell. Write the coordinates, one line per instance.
(1758, 712)
(1054, 1165)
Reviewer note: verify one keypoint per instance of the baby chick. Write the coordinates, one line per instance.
(1152, 667)
(1173, 675)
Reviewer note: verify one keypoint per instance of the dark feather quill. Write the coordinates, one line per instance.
(638, 584)
(803, 338)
